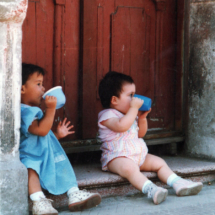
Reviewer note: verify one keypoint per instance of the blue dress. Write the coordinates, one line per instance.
(45, 155)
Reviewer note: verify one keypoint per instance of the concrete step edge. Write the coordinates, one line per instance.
(153, 178)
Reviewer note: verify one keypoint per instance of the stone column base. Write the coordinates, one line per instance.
(13, 187)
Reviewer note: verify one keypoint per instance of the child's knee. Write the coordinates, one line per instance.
(162, 163)
(32, 173)
(128, 170)
(158, 164)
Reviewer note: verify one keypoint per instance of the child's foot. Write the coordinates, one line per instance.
(81, 199)
(158, 194)
(43, 207)
(183, 187)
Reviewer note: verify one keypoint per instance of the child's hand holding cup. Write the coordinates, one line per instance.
(136, 102)
(146, 104)
(58, 93)
(50, 102)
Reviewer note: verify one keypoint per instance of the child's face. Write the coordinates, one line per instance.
(123, 102)
(33, 90)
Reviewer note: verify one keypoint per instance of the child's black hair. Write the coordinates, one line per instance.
(111, 85)
(30, 69)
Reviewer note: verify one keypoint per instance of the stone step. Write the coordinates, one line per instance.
(93, 179)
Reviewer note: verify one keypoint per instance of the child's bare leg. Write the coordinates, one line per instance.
(181, 186)
(158, 165)
(126, 168)
(33, 182)
(40, 204)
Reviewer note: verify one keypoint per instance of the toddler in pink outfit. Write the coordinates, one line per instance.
(120, 144)
(124, 152)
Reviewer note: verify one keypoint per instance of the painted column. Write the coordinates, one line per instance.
(200, 140)
(13, 175)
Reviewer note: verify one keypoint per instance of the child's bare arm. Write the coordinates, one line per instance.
(142, 123)
(43, 126)
(124, 123)
(63, 129)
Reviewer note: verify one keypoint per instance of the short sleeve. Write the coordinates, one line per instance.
(107, 114)
(28, 115)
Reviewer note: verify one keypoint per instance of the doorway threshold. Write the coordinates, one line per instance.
(87, 145)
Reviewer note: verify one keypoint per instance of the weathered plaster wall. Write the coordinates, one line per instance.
(13, 174)
(201, 88)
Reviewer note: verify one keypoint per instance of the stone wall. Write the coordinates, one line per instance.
(200, 140)
(13, 174)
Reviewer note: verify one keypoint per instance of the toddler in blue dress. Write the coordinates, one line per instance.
(40, 151)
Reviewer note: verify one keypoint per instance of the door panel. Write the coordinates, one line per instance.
(37, 44)
(130, 45)
(136, 38)
(51, 39)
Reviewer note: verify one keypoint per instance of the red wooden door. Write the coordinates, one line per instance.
(51, 40)
(136, 38)
(77, 42)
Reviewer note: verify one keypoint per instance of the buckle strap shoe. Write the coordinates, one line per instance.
(81, 199)
(43, 207)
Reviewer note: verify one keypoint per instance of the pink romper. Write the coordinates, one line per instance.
(120, 144)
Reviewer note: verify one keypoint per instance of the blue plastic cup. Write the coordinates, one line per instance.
(58, 93)
(146, 104)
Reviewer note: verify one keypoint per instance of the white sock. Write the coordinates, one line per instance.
(172, 179)
(71, 190)
(145, 185)
(37, 196)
